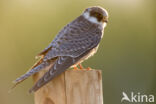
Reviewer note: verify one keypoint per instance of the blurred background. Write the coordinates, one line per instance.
(127, 53)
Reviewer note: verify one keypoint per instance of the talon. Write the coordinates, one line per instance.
(75, 68)
(89, 68)
(81, 67)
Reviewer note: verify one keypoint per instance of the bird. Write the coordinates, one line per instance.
(76, 42)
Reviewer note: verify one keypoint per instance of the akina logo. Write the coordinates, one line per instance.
(137, 97)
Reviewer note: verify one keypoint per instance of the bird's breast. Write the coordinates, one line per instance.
(88, 55)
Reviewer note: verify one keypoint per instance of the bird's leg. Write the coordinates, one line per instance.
(88, 68)
(81, 67)
(75, 68)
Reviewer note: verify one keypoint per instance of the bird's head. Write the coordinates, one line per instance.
(96, 15)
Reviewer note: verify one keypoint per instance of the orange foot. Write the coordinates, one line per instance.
(75, 68)
(81, 67)
(89, 68)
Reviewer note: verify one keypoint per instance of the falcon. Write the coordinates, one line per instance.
(76, 42)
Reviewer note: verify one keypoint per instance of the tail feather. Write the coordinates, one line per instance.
(36, 68)
(30, 72)
(62, 63)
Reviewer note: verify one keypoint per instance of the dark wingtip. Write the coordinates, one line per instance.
(31, 91)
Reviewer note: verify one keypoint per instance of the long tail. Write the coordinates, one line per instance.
(36, 68)
(60, 65)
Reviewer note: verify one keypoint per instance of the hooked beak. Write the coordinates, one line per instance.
(105, 19)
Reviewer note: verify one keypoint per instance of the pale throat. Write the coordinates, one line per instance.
(93, 19)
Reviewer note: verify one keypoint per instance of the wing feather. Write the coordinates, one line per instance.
(74, 39)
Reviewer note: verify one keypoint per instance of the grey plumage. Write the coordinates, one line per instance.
(74, 39)
(60, 65)
(36, 68)
(74, 43)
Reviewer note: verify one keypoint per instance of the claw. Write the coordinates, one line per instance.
(81, 67)
(89, 68)
(75, 68)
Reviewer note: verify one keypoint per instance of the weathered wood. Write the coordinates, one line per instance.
(71, 87)
(51, 93)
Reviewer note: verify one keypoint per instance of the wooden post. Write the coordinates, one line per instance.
(71, 87)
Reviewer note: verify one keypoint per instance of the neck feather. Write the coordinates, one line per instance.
(93, 19)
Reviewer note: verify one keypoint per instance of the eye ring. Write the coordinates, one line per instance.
(97, 15)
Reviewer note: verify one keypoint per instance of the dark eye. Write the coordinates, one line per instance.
(97, 15)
